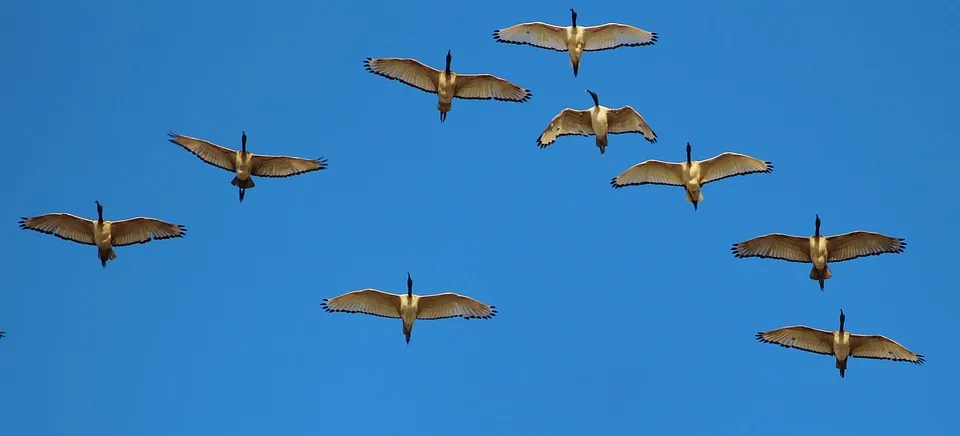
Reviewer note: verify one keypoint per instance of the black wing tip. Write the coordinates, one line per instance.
(613, 183)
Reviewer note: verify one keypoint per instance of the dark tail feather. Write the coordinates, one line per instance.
(842, 366)
(243, 184)
(820, 276)
(104, 257)
(576, 69)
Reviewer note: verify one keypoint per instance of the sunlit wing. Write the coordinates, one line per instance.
(859, 244)
(213, 154)
(486, 87)
(63, 226)
(141, 230)
(567, 122)
(775, 246)
(729, 165)
(800, 337)
(650, 172)
(880, 347)
(627, 120)
(366, 301)
(537, 34)
(408, 71)
(284, 166)
(450, 305)
(613, 35)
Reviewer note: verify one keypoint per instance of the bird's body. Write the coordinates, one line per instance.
(819, 250)
(446, 84)
(244, 164)
(409, 307)
(599, 121)
(840, 343)
(103, 234)
(691, 174)
(575, 39)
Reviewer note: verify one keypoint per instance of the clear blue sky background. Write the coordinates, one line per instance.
(621, 311)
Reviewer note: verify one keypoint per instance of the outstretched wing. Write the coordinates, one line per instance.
(403, 70)
(859, 244)
(536, 34)
(213, 154)
(775, 246)
(63, 226)
(612, 35)
(367, 301)
(141, 230)
(486, 87)
(450, 305)
(800, 337)
(731, 164)
(567, 122)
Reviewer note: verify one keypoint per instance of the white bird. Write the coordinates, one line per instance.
(575, 39)
(598, 121)
(446, 84)
(409, 307)
(245, 164)
(819, 250)
(840, 344)
(692, 174)
(103, 234)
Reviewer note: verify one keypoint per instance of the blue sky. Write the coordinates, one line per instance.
(620, 311)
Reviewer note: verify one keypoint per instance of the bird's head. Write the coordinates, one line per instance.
(449, 58)
(573, 17)
(243, 141)
(817, 223)
(596, 101)
(689, 148)
(843, 318)
(409, 284)
(99, 210)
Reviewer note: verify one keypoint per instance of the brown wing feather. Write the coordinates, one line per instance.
(213, 154)
(367, 301)
(775, 246)
(612, 35)
(141, 230)
(859, 244)
(567, 122)
(284, 166)
(800, 337)
(62, 225)
(880, 347)
(627, 120)
(650, 172)
(536, 34)
(486, 87)
(728, 164)
(408, 71)
(450, 305)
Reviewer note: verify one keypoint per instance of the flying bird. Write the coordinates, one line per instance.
(819, 250)
(104, 234)
(692, 174)
(409, 307)
(446, 84)
(575, 39)
(841, 344)
(245, 164)
(598, 121)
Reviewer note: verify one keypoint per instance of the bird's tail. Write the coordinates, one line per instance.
(602, 142)
(819, 275)
(406, 332)
(107, 255)
(699, 197)
(243, 184)
(842, 366)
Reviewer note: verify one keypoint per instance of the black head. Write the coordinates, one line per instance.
(99, 210)
(596, 101)
(573, 17)
(843, 318)
(243, 140)
(817, 222)
(689, 148)
(409, 284)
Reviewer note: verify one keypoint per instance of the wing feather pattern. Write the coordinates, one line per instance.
(612, 35)
(62, 225)
(367, 301)
(213, 154)
(650, 172)
(536, 34)
(408, 71)
(729, 164)
(141, 230)
(860, 244)
(627, 120)
(775, 246)
(450, 305)
(880, 347)
(567, 122)
(800, 337)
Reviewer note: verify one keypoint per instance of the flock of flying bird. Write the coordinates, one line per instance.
(598, 121)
